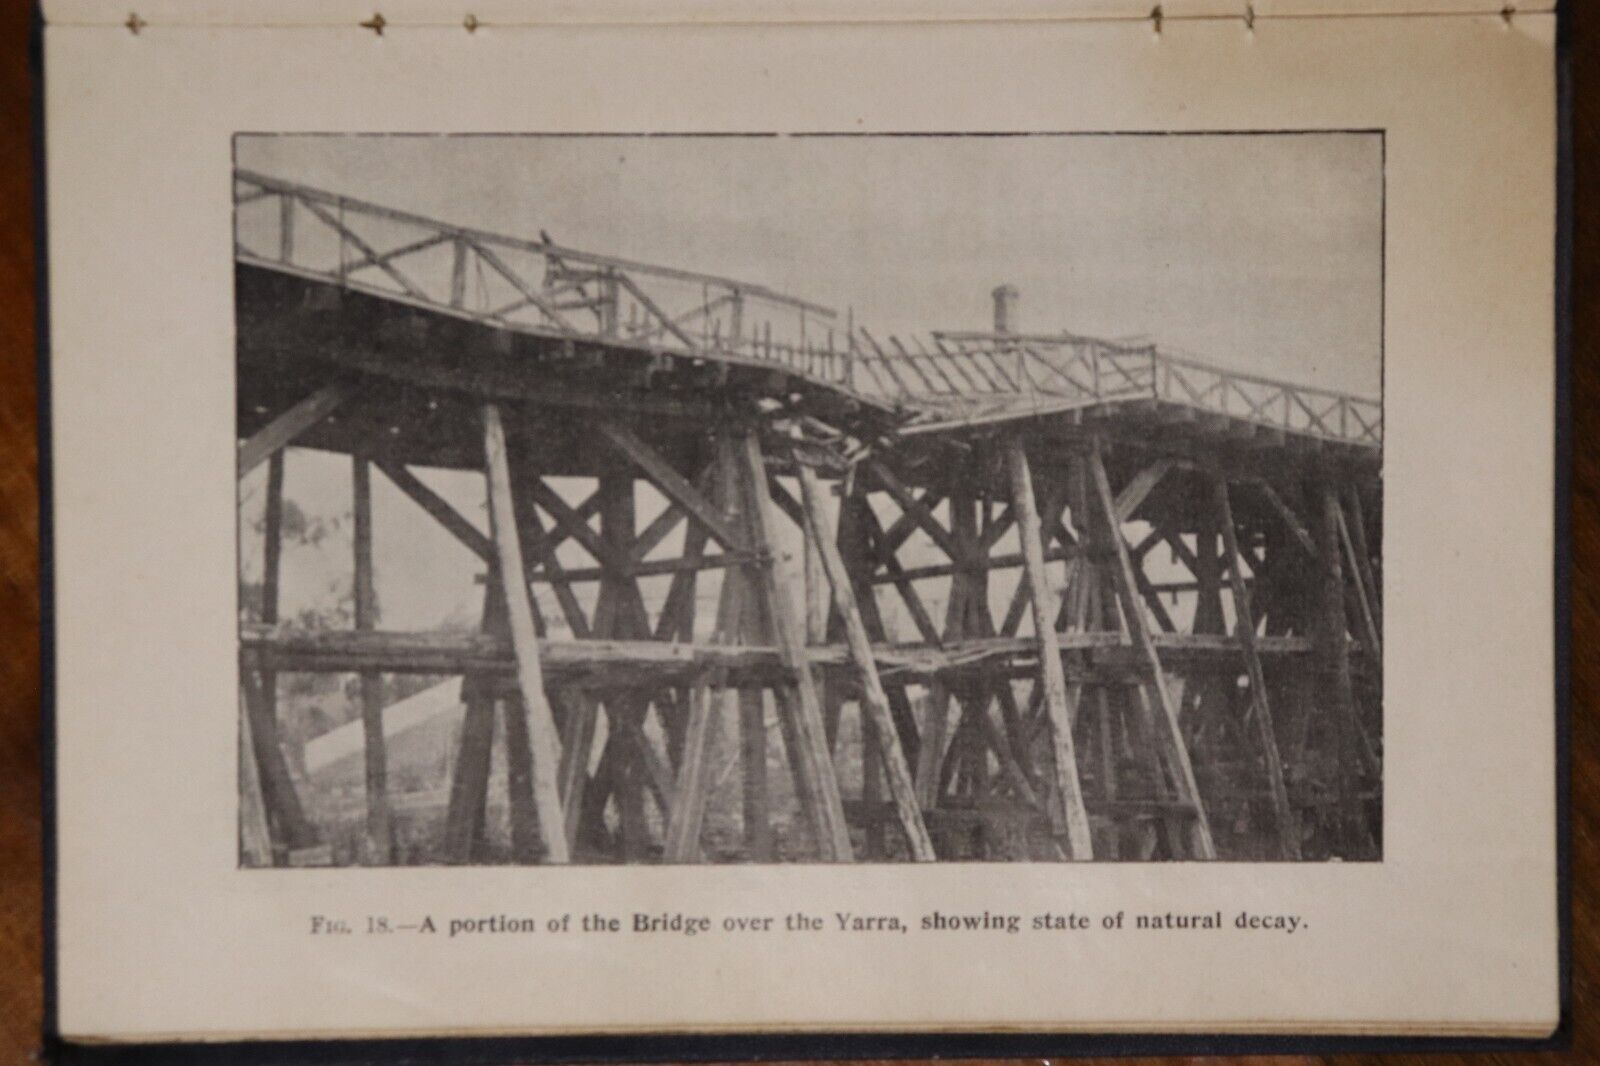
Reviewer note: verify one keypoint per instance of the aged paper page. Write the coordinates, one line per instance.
(1155, 330)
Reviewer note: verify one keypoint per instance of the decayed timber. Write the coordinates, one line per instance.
(255, 836)
(1168, 729)
(874, 700)
(281, 431)
(380, 832)
(682, 843)
(436, 506)
(1051, 677)
(1245, 628)
(287, 825)
(469, 778)
(1356, 755)
(600, 663)
(818, 786)
(541, 725)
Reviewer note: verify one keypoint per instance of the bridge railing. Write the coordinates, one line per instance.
(535, 285)
(1294, 408)
(1039, 370)
(543, 287)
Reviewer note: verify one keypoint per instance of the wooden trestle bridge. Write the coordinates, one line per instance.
(1112, 710)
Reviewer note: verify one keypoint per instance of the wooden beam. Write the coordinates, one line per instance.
(1358, 757)
(1358, 533)
(785, 502)
(818, 600)
(1291, 521)
(901, 528)
(255, 835)
(682, 837)
(286, 427)
(854, 548)
(659, 529)
(666, 321)
(1368, 621)
(1261, 712)
(1169, 731)
(469, 779)
(380, 831)
(626, 709)
(818, 782)
(914, 508)
(755, 794)
(1137, 490)
(545, 741)
(994, 562)
(672, 484)
(289, 829)
(1051, 677)
(272, 542)
(532, 295)
(874, 700)
(571, 522)
(605, 663)
(532, 534)
(677, 611)
(437, 506)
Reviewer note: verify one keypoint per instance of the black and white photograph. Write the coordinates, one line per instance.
(826, 498)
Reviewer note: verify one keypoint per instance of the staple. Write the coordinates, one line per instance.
(1507, 13)
(376, 23)
(135, 23)
(1250, 17)
(471, 23)
(1155, 20)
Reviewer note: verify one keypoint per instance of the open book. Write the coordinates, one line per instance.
(673, 530)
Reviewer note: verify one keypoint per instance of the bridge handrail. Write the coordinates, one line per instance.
(547, 249)
(960, 369)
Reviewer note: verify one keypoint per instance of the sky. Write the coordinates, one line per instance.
(1258, 252)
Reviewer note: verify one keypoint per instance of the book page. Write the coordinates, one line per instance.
(712, 519)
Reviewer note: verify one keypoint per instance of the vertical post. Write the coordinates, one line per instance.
(817, 582)
(545, 741)
(1169, 734)
(874, 701)
(610, 302)
(458, 273)
(682, 843)
(255, 836)
(854, 548)
(850, 349)
(1336, 665)
(625, 711)
(469, 781)
(272, 549)
(1358, 533)
(380, 832)
(286, 818)
(818, 783)
(1051, 675)
(285, 227)
(1245, 629)
(757, 804)
(1359, 584)
(1200, 695)
(736, 320)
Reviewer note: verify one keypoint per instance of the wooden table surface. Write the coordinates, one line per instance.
(20, 822)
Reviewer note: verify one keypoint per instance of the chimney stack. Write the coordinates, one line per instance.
(1005, 309)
